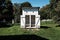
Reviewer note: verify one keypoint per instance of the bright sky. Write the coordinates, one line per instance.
(34, 3)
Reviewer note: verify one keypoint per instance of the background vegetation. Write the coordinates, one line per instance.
(9, 11)
(49, 29)
(51, 11)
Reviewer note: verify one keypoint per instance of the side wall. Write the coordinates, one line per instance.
(37, 20)
(22, 21)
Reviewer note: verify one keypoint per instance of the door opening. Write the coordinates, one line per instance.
(29, 20)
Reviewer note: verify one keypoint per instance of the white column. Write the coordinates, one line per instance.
(30, 20)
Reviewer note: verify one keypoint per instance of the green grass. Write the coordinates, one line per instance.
(14, 30)
(52, 33)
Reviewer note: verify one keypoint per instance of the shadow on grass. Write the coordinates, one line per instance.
(44, 27)
(5, 26)
(57, 25)
(22, 37)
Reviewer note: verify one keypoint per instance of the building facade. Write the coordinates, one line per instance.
(30, 17)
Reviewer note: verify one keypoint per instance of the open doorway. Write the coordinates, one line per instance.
(29, 20)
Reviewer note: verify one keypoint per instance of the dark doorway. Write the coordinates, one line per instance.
(29, 20)
(32, 20)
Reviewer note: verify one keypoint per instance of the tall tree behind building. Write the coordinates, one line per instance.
(18, 10)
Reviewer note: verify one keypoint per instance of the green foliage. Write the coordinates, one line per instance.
(45, 12)
(6, 10)
(18, 10)
(26, 4)
(56, 10)
(51, 11)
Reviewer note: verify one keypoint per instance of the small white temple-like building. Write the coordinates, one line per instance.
(30, 17)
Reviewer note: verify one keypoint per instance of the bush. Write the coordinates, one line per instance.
(56, 19)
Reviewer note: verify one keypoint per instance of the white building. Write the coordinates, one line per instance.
(30, 17)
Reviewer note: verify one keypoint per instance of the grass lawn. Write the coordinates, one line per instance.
(51, 33)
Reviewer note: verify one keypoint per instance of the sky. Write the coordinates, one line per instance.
(34, 3)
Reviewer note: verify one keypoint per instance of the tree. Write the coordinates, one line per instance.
(6, 11)
(24, 4)
(45, 12)
(51, 10)
(18, 10)
(1, 8)
(55, 10)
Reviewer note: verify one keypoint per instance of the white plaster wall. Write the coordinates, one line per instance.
(30, 11)
(37, 20)
(22, 21)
